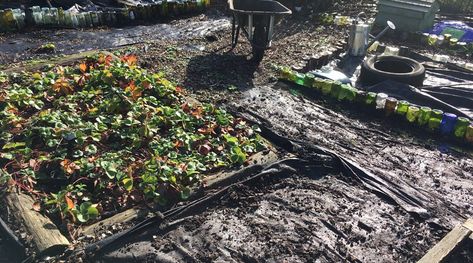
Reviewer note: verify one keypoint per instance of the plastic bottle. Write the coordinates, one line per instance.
(68, 19)
(3, 25)
(424, 116)
(381, 100)
(435, 120)
(9, 19)
(460, 127)
(37, 15)
(390, 106)
(54, 13)
(61, 17)
(412, 114)
(447, 125)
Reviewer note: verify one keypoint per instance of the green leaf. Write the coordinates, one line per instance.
(128, 183)
(13, 145)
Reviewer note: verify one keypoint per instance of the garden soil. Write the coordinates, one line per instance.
(303, 215)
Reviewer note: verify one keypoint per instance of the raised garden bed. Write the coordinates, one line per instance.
(84, 142)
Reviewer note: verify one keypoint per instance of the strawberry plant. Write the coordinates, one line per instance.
(106, 134)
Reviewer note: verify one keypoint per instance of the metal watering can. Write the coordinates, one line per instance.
(359, 40)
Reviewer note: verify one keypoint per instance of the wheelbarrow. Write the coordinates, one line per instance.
(256, 18)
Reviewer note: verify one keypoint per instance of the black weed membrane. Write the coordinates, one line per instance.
(283, 211)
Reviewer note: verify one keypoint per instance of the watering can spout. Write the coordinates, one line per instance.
(390, 25)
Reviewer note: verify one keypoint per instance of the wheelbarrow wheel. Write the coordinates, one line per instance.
(260, 42)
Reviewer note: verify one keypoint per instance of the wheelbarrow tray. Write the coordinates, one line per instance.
(258, 7)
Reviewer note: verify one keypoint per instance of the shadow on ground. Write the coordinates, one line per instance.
(221, 71)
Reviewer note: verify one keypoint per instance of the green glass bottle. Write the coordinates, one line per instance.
(336, 89)
(300, 77)
(402, 107)
(285, 73)
(460, 127)
(390, 106)
(326, 87)
(318, 83)
(371, 98)
(424, 116)
(349, 93)
(469, 134)
(435, 120)
(412, 114)
(360, 96)
(309, 80)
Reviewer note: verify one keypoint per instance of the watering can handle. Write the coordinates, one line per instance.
(361, 16)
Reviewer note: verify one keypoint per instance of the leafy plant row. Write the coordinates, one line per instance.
(106, 134)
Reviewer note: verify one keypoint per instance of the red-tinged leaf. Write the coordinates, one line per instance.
(130, 59)
(70, 203)
(179, 89)
(204, 149)
(37, 206)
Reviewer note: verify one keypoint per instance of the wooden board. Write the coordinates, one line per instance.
(123, 217)
(450, 242)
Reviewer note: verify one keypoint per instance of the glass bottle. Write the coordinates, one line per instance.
(371, 98)
(381, 100)
(424, 116)
(336, 88)
(309, 80)
(460, 127)
(469, 134)
(402, 107)
(412, 114)
(448, 123)
(299, 78)
(326, 87)
(360, 96)
(435, 120)
(432, 39)
(390, 106)
(285, 73)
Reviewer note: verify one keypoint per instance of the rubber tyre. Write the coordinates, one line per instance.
(406, 70)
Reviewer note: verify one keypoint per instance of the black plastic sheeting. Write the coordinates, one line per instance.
(309, 158)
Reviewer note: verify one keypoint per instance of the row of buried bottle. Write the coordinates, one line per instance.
(447, 41)
(15, 19)
(432, 119)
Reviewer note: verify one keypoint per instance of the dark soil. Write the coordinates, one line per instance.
(462, 254)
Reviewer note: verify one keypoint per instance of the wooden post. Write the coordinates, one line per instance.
(44, 234)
